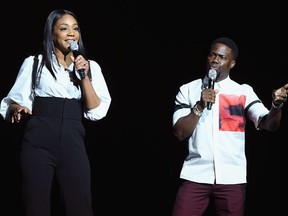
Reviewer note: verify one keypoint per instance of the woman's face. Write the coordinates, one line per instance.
(65, 31)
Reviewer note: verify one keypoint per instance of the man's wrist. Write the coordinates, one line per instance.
(277, 106)
(196, 110)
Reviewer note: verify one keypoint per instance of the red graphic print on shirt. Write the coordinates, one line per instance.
(231, 113)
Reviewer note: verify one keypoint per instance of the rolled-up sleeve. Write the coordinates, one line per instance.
(21, 91)
(100, 86)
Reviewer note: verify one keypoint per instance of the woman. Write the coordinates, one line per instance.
(54, 100)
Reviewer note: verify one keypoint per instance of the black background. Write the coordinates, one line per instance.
(146, 50)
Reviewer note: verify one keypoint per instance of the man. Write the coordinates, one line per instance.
(211, 113)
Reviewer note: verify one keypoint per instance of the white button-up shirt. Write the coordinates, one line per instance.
(217, 145)
(22, 92)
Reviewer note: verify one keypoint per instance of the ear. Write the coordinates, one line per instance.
(233, 62)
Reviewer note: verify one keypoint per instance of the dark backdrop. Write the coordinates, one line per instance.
(147, 49)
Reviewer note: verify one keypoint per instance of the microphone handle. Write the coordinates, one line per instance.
(82, 71)
(82, 74)
(209, 106)
(211, 85)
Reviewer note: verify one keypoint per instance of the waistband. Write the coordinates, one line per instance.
(58, 107)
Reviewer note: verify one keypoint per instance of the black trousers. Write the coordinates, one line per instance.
(53, 145)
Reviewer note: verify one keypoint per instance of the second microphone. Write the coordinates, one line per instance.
(212, 75)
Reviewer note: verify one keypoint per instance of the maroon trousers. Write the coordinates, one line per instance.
(193, 199)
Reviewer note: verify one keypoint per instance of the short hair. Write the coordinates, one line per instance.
(229, 43)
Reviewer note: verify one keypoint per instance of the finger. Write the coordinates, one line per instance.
(17, 117)
(279, 95)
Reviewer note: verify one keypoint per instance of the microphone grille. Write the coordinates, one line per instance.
(212, 74)
(74, 46)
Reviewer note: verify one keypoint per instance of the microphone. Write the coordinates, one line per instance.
(212, 75)
(75, 49)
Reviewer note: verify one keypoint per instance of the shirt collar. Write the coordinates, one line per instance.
(222, 83)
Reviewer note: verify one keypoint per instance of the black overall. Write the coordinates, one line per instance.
(53, 144)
